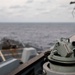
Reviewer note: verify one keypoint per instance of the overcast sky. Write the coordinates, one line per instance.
(36, 11)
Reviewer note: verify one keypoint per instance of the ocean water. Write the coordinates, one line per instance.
(41, 34)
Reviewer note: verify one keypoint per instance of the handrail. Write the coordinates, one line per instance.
(11, 49)
(13, 52)
(1, 54)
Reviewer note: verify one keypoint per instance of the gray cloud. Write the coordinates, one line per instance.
(42, 10)
(18, 7)
(29, 1)
(1, 10)
(15, 7)
(49, 0)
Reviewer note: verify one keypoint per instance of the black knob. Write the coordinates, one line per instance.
(73, 43)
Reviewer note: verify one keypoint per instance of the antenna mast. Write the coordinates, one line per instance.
(73, 2)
